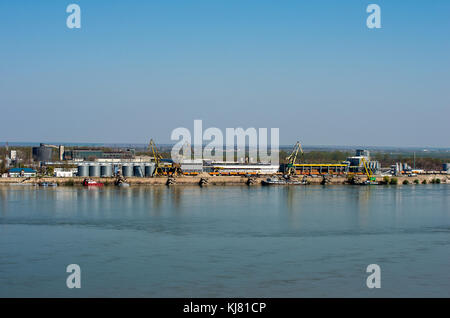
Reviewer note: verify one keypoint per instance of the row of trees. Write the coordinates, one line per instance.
(385, 159)
(429, 162)
(421, 162)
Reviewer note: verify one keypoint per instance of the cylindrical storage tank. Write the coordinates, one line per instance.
(43, 153)
(94, 170)
(106, 170)
(83, 171)
(138, 170)
(149, 169)
(127, 170)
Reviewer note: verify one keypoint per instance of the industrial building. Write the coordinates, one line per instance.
(354, 164)
(99, 162)
(191, 166)
(362, 157)
(45, 152)
(65, 173)
(126, 169)
(91, 154)
(21, 172)
(188, 167)
(318, 168)
(236, 168)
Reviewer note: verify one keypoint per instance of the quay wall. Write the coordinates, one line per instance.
(212, 180)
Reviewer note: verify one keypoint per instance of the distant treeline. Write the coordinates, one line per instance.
(318, 156)
(431, 161)
(427, 161)
(423, 160)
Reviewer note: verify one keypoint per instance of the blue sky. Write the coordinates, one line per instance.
(138, 69)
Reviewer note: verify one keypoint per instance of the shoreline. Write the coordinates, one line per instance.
(214, 180)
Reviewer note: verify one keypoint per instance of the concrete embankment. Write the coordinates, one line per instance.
(215, 180)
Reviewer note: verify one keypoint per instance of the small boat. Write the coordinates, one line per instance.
(121, 182)
(284, 181)
(359, 181)
(48, 184)
(369, 182)
(91, 183)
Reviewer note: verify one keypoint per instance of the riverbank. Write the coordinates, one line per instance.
(220, 180)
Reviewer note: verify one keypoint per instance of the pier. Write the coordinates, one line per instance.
(219, 180)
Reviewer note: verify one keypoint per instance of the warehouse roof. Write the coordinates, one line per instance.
(21, 169)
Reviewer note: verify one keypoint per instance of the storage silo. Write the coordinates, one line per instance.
(138, 170)
(149, 169)
(94, 170)
(446, 167)
(106, 170)
(83, 170)
(127, 170)
(42, 153)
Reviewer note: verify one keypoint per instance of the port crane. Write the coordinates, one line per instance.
(157, 157)
(293, 157)
(160, 168)
(370, 178)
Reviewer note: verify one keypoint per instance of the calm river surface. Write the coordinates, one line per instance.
(230, 241)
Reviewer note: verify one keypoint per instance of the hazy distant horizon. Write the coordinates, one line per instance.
(283, 146)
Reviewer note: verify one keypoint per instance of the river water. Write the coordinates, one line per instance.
(230, 241)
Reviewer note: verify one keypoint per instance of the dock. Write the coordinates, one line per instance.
(217, 180)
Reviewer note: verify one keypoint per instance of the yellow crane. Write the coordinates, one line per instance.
(368, 171)
(160, 168)
(293, 157)
(157, 157)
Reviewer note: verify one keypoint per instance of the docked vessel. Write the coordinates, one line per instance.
(48, 184)
(282, 181)
(369, 182)
(121, 181)
(91, 183)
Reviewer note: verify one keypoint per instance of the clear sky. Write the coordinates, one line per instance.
(138, 69)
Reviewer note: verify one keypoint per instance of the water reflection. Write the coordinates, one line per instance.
(290, 240)
(297, 208)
